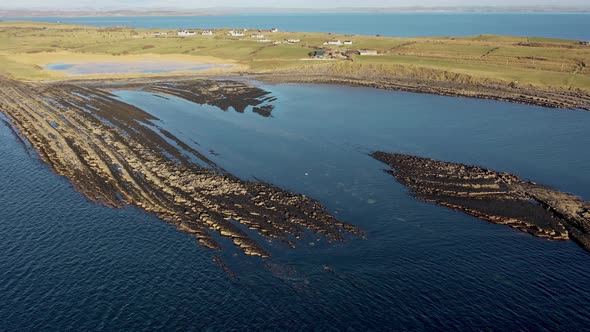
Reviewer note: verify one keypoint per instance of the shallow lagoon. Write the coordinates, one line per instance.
(69, 263)
(128, 67)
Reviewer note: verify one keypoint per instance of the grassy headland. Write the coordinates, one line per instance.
(532, 64)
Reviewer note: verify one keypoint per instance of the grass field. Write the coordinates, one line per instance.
(25, 47)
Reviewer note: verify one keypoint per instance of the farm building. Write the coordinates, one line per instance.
(333, 42)
(235, 33)
(185, 33)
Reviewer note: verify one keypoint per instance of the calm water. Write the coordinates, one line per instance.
(67, 263)
(558, 25)
(97, 68)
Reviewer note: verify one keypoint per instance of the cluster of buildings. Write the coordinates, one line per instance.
(325, 53)
(232, 33)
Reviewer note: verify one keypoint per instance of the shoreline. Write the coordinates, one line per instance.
(554, 98)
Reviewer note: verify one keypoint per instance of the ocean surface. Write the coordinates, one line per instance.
(557, 25)
(66, 263)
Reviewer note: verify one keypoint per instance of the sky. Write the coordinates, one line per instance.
(200, 4)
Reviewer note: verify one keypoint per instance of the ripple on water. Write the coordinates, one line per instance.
(69, 264)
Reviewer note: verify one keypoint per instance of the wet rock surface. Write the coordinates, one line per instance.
(116, 155)
(501, 198)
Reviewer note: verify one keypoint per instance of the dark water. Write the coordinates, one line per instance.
(557, 25)
(67, 263)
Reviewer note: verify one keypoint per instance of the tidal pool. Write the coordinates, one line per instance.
(130, 67)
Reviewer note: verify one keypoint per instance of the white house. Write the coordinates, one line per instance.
(333, 42)
(274, 30)
(258, 36)
(184, 33)
(293, 41)
(207, 33)
(235, 33)
(348, 42)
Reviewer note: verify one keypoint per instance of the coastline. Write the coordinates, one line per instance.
(550, 98)
(546, 72)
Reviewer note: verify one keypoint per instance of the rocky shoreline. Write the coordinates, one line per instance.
(500, 198)
(551, 98)
(572, 99)
(116, 155)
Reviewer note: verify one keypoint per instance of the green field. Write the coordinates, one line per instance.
(25, 47)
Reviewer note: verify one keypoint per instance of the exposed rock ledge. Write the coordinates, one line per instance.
(500, 198)
(115, 154)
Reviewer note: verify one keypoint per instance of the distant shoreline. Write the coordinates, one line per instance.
(539, 71)
(12, 13)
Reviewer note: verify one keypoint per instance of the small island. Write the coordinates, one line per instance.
(500, 198)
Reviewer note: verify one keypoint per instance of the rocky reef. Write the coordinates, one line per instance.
(501, 198)
(116, 155)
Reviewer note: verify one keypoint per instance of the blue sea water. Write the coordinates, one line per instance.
(557, 25)
(69, 264)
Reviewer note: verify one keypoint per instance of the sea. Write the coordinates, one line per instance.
(68, 264)
(556, 25)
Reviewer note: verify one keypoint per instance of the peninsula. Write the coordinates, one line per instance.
(116, 155)
(540, 71)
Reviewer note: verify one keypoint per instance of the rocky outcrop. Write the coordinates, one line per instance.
(500, 198)
(116, 155)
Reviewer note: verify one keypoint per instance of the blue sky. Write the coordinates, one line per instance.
(196, 4)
